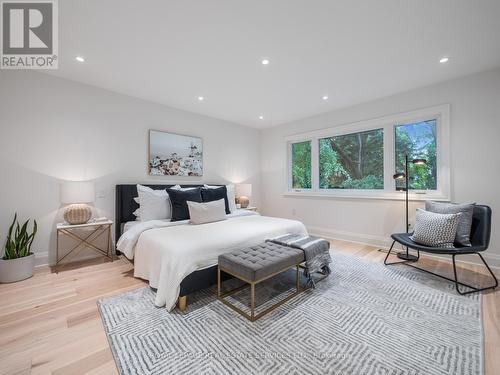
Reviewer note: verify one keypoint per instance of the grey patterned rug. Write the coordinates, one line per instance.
(365, 318)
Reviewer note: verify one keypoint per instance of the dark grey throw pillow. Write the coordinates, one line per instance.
(214, 194)
(465, 222)
(435, 230)
(179, 199)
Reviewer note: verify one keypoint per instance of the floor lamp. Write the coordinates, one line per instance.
(405, 175)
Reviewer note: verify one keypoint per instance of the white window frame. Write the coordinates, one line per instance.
(442, 115)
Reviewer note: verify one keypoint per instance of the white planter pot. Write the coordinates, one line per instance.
(12, 270)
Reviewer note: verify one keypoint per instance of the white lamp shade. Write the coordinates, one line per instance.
(77, 192)
(244, 190)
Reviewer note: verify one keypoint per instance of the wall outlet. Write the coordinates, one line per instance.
(101, 194)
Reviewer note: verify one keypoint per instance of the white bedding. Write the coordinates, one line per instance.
(132, 230)
(166, 252)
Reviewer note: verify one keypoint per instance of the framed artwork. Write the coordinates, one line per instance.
(174, 154)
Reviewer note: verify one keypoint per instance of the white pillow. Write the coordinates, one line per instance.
(231, 195)
(201, 213)
(153, 204)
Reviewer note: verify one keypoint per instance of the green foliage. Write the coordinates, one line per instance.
(367, 182)
(329, 165)
(19, 241)
(356, 161)
(301, 165)
(352, 161)
(418, 140)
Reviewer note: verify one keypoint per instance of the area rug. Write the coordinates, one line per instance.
(366, 318)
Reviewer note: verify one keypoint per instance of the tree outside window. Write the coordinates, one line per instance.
(417, 140)
(352, 161)
(301, 165)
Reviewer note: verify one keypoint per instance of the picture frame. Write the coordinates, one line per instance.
(172, 154)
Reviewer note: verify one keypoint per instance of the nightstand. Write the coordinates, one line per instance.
(95, 231)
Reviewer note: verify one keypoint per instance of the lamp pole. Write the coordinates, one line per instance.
(407, 187)
(407, 255)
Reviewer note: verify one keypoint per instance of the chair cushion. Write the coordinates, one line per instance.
(257, 262)
(464, 224)
(405, 240)
(435, 230)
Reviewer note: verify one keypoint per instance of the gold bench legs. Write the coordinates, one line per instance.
(182, 301)
(252, 317)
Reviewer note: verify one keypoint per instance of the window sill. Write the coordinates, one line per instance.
(394, 196)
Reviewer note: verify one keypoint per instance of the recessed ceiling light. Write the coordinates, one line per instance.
(201, 98)
(261, 117)
(265, 62)
(79, 59)
(444, 60)
(325, 97)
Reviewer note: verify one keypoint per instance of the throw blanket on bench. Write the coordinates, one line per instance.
(316, 252)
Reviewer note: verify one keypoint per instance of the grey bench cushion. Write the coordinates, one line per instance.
(257, 262)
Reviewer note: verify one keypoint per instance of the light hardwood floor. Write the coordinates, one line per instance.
(50, 324)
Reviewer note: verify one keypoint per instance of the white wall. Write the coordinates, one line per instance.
(475, 159)
(53, 129)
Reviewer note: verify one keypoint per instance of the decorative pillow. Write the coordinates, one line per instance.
(435, 230)
(201, 213)
(465, 222)
(153, 204)
(179, 198)
(137, 214)
(214, 194)
(231, 195)
(179, 187)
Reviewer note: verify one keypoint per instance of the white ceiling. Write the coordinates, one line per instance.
(171, 52)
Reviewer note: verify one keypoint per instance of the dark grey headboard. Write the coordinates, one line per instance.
(125, 204)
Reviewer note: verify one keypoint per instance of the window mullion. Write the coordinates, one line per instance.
(389, 165)
(315, 164)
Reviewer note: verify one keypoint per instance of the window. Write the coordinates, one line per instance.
(360, 159)
(418, 141)
(352, 161)
(301, 165)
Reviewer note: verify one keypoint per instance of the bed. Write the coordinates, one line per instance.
(178, 258)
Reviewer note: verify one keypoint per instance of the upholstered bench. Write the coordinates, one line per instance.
(255, 264)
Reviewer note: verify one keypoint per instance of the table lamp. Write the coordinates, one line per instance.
(243, 192)
(77, 194)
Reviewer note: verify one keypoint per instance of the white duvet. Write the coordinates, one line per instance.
(166, 252)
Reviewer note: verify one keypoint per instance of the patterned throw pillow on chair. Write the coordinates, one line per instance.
(435, 230)
(464, 224)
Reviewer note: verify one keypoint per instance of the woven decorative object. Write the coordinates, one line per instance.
(78, 214)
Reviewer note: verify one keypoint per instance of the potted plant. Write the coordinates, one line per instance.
(18, 261)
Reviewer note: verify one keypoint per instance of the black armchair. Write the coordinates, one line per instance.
(480, 239)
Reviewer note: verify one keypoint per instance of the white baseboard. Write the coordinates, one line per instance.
(364, 239)
(385, 243)
(41, 258)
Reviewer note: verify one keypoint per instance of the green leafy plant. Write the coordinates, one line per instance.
(19, 240)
